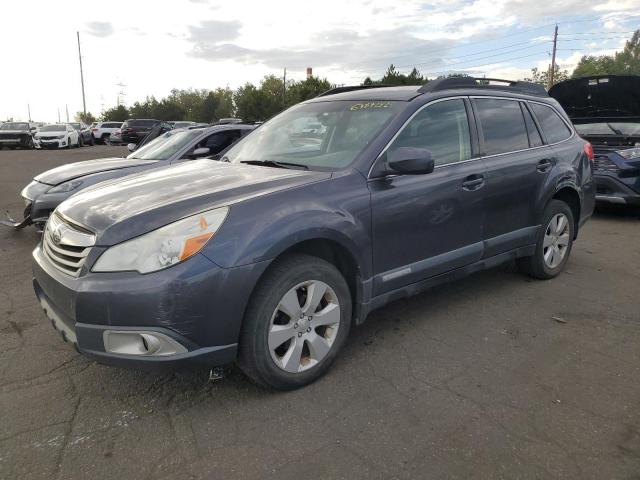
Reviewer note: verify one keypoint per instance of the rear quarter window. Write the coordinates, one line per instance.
(553, 127)
(503, 126)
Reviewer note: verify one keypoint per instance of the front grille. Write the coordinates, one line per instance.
(603, 163)
(48, 138)
(11, 136)
(66, 245)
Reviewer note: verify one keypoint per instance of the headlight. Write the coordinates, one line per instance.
(65, 187)
(60, 136)
(163, 247)
(629, 153)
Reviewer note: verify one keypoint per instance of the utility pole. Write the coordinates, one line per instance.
(84, 104)
(59, 115)
(29, 111)
(553, 58)
(66, 107)
(284, 88)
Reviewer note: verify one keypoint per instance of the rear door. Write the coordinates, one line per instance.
(517, 164)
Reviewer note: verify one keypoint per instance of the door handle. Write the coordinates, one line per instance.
(473, 182)
(544, 165)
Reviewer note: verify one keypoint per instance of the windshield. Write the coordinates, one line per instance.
(166, 145)
(53, 128)
(609, 128)
(322, 135)
(14, 126)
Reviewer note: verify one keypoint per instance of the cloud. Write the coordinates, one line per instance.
(100, 29)
(336, 47)
(212, 32)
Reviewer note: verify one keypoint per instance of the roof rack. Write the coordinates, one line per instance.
(517, 86)
(349, 88)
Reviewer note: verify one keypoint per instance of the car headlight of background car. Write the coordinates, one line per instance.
(163, 247)
(630, 153)
(65, 187)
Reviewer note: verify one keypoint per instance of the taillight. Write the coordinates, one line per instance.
(588, 150)
(94, 129)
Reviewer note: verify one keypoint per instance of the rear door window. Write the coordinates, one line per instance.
(502, 125)
(535, 140)
(554, 129)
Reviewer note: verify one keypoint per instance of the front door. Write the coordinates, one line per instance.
(425, 225)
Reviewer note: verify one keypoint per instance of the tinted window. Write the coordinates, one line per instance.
(221, 140)
(441, 128)
(112, 125)
(552, 125)
(141, 123)
(502, 126)
(535, 140)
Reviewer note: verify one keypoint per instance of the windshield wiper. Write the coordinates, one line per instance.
(618, 132)
(274, 163)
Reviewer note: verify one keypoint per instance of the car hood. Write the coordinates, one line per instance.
(70, 171)
(599, 97)
(117, 211)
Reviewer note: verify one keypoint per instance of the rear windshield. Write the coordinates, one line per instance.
(14, 126)
(318, 135)
(141, 123)
(53, 128)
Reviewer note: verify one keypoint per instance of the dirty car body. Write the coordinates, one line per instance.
(606, 111)
(50, 188)
(340, 181)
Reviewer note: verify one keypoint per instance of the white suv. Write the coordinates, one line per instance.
(102, 130)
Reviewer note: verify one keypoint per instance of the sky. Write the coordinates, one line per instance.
(134, 49)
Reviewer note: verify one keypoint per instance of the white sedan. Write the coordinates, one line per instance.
(57, 136)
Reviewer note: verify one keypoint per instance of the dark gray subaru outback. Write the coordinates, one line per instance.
(333, 208)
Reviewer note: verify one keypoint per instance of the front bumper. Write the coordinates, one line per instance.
(610, 189)
(196, 303)
(50, 143)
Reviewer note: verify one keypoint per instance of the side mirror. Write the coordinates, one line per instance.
(199, 152)
(410, 161)
(131, 147)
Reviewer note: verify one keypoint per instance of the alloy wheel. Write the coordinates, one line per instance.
(304, 326)
(556, 240)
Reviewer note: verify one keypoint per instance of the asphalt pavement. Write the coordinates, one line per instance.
(493, 377)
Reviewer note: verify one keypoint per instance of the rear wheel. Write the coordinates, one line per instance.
(80, 141)
(92, 140)
(297, 320)
(554, 243)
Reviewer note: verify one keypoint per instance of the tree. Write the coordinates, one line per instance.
(393, 77)
(87, 119)
(626, 62)
(116, 114)
(311, 87)
(542, 77)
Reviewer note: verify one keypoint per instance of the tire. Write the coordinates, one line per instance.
(553, 246)
(267, 365)
(105, 139)
(80, 141)
(68, 144)
(92, 140)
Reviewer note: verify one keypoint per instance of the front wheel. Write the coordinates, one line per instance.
(297, 320)
(554, 243)
(80, 141)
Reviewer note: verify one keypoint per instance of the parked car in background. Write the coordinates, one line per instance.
(135, 129)
(115, 138)
(59, 135)
(225, 121)
(102, 131)
(154, 133)
(85, 136)
(269, 256)
(17, 134)
(50, 188)
(605, 110)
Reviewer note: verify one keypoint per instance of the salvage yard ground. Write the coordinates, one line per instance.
(495, 376)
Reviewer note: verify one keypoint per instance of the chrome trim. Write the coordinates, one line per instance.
(64, 246)
(610, 199)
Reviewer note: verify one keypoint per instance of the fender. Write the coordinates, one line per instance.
(260, 229)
